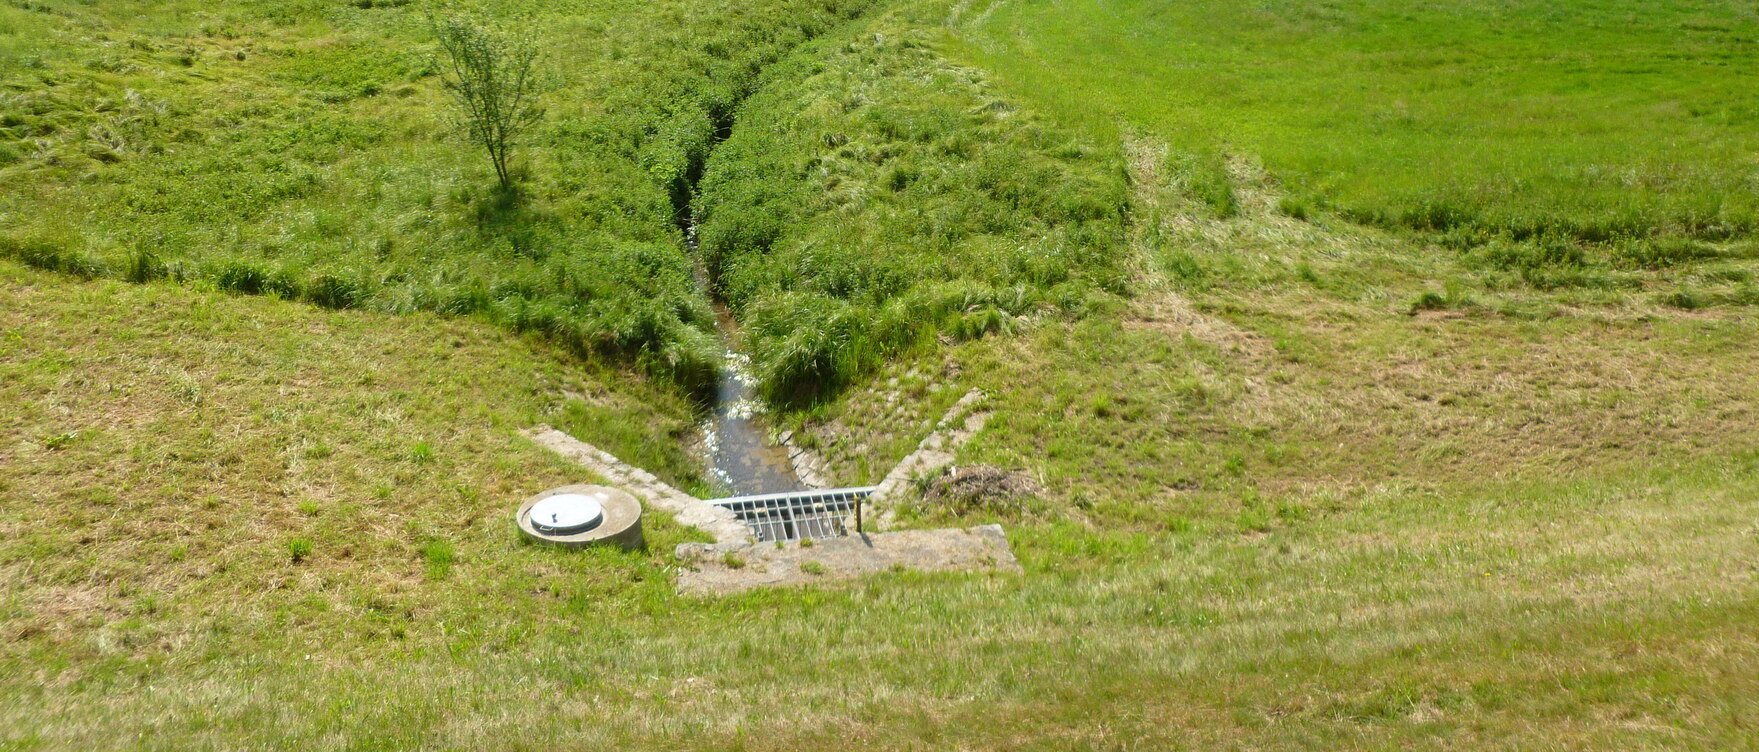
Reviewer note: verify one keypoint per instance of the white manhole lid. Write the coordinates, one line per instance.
(568, 513)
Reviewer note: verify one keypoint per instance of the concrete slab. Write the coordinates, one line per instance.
(712, 570)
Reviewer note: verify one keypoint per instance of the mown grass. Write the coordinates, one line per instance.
(187, 465)
(1313, 484)
(165, 588)
(301, 149)
(1591, 121)
(873, 195)
(1268, 365)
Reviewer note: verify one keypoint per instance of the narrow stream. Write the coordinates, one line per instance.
(736, 448)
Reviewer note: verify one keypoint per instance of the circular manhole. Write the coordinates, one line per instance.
(565, 514)
(582, 516)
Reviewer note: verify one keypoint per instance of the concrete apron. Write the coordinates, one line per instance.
(984, 547)
(734, 561)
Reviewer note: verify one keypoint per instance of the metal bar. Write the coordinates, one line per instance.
(798, 514)
(856, 491)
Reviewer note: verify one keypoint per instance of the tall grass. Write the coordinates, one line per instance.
(873, 196)
(299, 149)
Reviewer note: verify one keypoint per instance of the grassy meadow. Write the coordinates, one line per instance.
(1588, 120)
(1388, 370)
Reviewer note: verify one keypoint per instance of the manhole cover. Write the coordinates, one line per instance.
(564, 514)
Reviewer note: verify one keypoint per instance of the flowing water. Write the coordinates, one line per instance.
(736, 447)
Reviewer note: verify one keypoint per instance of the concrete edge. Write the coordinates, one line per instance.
(962, 421)
(718, 522)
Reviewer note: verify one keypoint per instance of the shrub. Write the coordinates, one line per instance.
(490, 72)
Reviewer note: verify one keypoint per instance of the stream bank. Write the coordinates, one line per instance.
(737, 452)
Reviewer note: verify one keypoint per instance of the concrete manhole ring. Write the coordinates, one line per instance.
(583, 516)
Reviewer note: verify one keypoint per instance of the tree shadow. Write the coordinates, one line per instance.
(511, 215)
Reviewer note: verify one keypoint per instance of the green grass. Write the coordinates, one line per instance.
(872, 195)
(1321, 469)
(302, 149)
(220, 440)
(153, 550)
(1593, 120)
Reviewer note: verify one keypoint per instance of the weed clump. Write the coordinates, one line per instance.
(299, 549)
(1428, 300)
(1662, 253)
(333, 290)
(1685, 299)
(53, 255)
(1452, 296)
(982, 488)
(144, 266)
(1296, 208)
(438, 556)
(1205, 178)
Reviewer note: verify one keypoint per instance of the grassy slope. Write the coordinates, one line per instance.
(1589, 118)
(165, 448)
(150, 601)
(1270, 366)
(873, 194)
(1268, 361)
(1270, 523)
(301, 149)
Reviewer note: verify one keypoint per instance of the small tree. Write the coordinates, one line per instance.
(489, 72)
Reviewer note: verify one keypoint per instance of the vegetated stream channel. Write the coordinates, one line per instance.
(736, 448)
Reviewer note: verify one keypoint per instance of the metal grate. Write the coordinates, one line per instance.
(798, 514)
